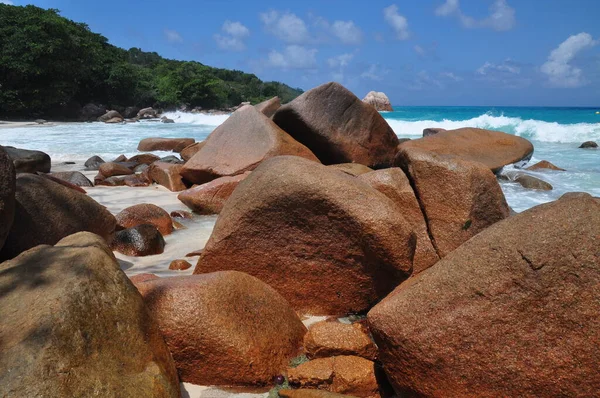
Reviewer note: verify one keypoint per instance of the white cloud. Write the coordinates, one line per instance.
(347, 32)
(10, 3)
(340, 61)
(507, 66)
(374, 72)
(420, 50)
(451, 76)
(424, 81)
(173, 36)
(287, 26)
(396, 21)
(558, 69)
(501, 17)
(233, 38)
(293, 57)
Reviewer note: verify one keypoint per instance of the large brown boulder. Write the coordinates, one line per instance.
(28, 161)
(224, 328)
(350, 375)
(210, 198)
(7, 195)
(328, 242)
(189, 151)
(240, 144)
(166, 174)
(112, 169)
(145, 213)
(164, 144)
(393, 183)
(379, 101)
(513, 312)
(328, 339)
(73, 325)
(46, 212)
(338, 127)
(354, 169)
(269, 107)
(492, 148)
(459, 198)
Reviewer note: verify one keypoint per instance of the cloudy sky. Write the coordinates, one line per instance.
(420, 52)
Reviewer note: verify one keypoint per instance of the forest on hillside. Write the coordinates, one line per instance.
(51, 66)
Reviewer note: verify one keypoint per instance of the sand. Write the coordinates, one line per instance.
(7, 124)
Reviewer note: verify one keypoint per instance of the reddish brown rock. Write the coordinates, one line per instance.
(338, 127)
(517, 302)
(164, 144)
(141, 278)
(145, 213)
(544, 165)
(328, 339)
(350, 375)
(309, 393)
(269, 107)
(182, 214)
(73, 325)
(527, 181)
(144, 158)
(189, 151)
(346, 244)
(167, 174)
(379, 101)
(224, 328)
(46, 212)
(393, 183)
(492, 148)
(459, 198)
(432, 131)
(195, 253)
(240, 144)
(114, 120)
(136, 180)
(354, 169)
(7, 194)
(210, 198)
(109, 182)
(179, 265)
(120, 159)
(139, 241)
(112, 169)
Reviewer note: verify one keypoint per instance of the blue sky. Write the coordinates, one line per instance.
(425, 52)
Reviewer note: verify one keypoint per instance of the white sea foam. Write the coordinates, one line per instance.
(196, 118)
(536, 130)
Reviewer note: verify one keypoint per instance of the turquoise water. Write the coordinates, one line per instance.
(555, 132)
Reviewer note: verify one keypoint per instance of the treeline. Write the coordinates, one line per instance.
(51, 66)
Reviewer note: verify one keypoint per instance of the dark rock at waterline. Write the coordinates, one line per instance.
(144, 158)
(91, 112)
(93, 163)
(167, 120)
(164, 144)
(147, 113)
(120, 159)
(432, 131)
(131, 112)
(544, 165)
(110, 115)
(293, 216)
(171, 159)
(338, 127)
(518, 302)
(526, 180)
(495, 149)
(73, 177)
(73, 325)
(46, 212)
(589, 144)
(139, 241)
(28, 161)
(7, 195)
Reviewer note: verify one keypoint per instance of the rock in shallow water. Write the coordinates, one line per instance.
(325, 240)
(512, 312)
(73, 325)
(139, 241)
(589, 144)
(145, 213)
(544, 165)
(224, 328)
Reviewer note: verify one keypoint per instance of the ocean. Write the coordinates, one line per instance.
(555, 133)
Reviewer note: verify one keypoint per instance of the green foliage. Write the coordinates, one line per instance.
(274, 392)
(48, 62)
